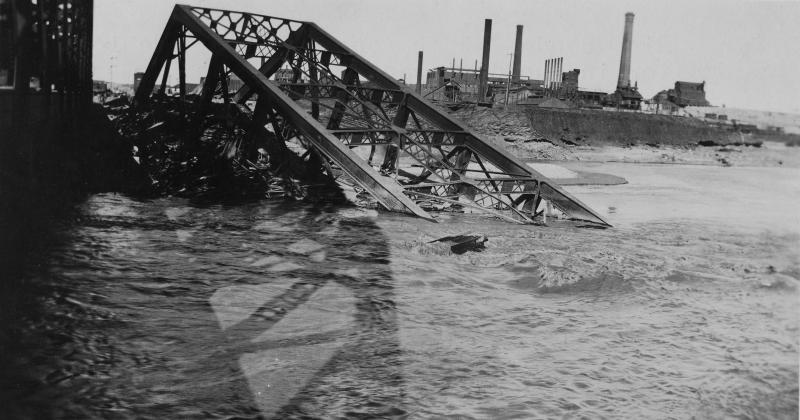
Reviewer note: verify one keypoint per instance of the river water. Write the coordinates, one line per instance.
(687, 308)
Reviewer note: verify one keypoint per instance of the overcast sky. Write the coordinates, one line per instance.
(747, 52)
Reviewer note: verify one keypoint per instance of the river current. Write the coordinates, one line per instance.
(165, 308)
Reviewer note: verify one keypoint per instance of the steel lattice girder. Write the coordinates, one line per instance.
(355, 104)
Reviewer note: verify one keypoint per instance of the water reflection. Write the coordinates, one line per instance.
(170, 309)
(255, 310)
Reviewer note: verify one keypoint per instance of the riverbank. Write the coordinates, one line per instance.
(519, 132)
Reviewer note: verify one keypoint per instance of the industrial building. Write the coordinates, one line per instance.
(682, 95)
(569, 82)
(284, 75)
(478, 85)
(565, 85)
(688, 94)
(463, 84)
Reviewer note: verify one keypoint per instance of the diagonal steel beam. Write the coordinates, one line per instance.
(284, 52)
(365, 106)
(384, 189)
(495, 155)
(161, 54)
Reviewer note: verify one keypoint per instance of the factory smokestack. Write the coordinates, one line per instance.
(419, 74)
(624, 79)
(517, 55)
(487, 41)
(546, 73)
(560, 74)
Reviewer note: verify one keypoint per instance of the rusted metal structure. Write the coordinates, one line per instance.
(339, 104)
(45, 86)
(45, 107)
(46, 47)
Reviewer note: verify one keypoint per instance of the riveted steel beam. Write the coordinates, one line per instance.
(335, 100)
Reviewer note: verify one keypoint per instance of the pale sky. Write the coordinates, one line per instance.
(747, 52)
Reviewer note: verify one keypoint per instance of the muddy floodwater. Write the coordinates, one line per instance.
(687, 308)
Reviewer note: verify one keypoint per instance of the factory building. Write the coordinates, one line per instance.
(441, 76)
(682, 95)
(569, 82)
(284, 75)
(459, 84)
(689, 94)
(478, 85)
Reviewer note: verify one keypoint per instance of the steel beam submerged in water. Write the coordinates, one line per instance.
(313, 90)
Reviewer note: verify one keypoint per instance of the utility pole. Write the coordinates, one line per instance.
(111, 71)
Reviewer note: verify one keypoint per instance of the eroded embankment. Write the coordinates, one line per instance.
(624, 128)
(602, 136)
(592, 127)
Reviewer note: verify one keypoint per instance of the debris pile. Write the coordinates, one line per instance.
(213, 157)
(511, 126)
(512, 129)
(464, 243)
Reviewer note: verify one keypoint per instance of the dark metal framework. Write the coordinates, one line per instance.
(47, 46)
(336, 101)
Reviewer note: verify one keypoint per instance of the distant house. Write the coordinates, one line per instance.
(688, 94)
(234, 84)
(190, 88)
(663, 103)
(99, 86)
(590, 98)
(624, 98)
(284, 75)
(518, 95)
(467, 79)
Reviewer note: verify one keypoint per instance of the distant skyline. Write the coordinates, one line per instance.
(746, 52)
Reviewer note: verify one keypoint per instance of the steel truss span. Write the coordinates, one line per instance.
(46, 47)
(302, 85)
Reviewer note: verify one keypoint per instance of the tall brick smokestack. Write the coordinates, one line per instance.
(517, 55)
(546, 72)
(484, 76)
(418, 88)
(624, 79)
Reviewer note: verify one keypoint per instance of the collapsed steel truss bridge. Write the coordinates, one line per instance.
(358, 120)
